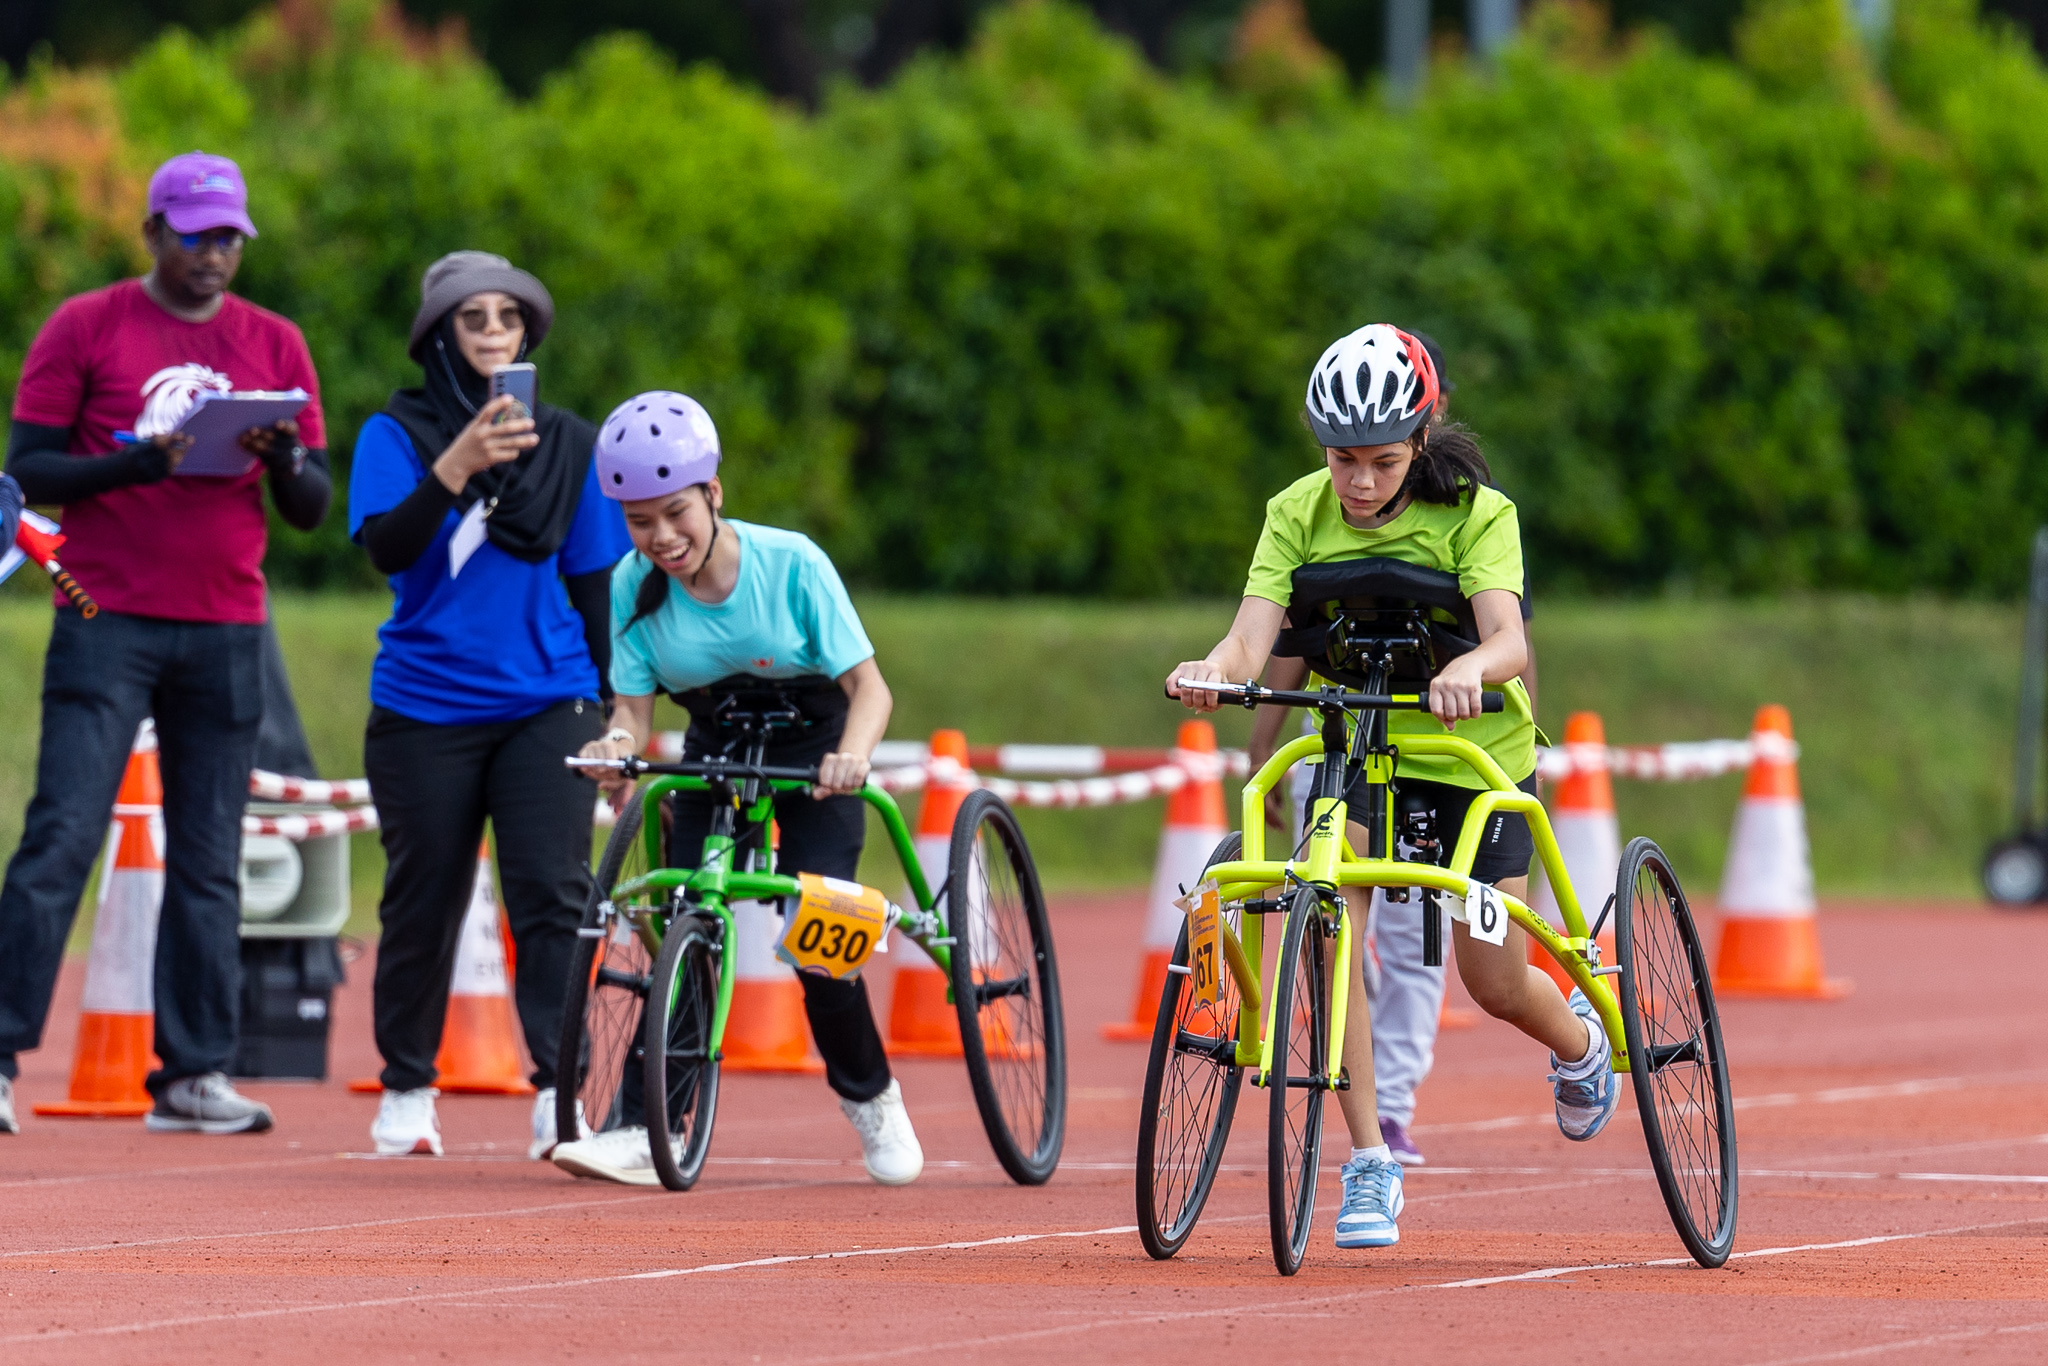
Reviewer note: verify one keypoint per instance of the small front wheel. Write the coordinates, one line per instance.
(1676, 1061)
(1191, 1085)
(1006, 989)
(682, 1072)
(597, 1062)
(1299, 1080)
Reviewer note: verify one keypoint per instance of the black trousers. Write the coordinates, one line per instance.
(433, 786)
(203, 682)
(822, 837)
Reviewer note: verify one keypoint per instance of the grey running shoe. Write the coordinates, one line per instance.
(1394, 1134)
(8, 1123)
(207, 1104)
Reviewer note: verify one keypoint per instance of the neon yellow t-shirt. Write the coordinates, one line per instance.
(1480, 541)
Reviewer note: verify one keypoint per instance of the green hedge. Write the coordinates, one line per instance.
(1037, 318)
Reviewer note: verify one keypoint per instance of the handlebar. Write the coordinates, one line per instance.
(1250, 695)
(697, 768)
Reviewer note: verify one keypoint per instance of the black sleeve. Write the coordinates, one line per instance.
(10, 511)
(591, 596)
(396, 539)
(36, 458)
(1528, 605)
(302, 498)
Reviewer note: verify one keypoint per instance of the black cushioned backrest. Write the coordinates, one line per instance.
(1374, 585)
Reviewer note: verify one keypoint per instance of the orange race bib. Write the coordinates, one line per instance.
(834, 927)
(1205, 939)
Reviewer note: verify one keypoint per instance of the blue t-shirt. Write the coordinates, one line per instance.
(497, 641)
(787, 617)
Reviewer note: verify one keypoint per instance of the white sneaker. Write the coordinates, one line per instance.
(543, 1124)
(619, 1155)
(888, 1145)
(206, 1104)
(406, 1123)
(8, 1123)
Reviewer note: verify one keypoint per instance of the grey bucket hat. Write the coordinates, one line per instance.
(460, 274)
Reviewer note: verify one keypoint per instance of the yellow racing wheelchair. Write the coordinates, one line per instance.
(1222, 1020)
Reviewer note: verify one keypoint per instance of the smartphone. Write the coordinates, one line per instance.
(521, 382)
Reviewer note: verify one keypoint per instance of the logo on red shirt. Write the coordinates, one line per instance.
(170, 393)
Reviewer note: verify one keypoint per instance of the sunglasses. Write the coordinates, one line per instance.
(510, 318)
(227, 242)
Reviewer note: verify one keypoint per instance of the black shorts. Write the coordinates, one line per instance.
(1505, 847)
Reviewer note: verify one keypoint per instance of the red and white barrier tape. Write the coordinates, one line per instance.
(312, 825)
(1680, 761)
(276, 787)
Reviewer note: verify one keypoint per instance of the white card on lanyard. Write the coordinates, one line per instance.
(1485, 914)
(469, 535)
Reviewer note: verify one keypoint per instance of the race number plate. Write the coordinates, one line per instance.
(1205, 939)
(1486, 915)
(834, 928)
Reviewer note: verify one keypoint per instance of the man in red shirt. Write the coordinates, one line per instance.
(175, 563)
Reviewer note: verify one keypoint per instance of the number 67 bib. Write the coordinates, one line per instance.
(834, 927)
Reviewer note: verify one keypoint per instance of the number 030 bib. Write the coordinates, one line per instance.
(834, 928)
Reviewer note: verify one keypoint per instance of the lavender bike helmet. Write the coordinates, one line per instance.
(655, 444)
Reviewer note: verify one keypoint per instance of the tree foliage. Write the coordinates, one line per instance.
(1037, 318)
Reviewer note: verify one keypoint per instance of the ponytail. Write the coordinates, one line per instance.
(1447, 465)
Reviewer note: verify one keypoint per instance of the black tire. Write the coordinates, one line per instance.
(2016, 873)
(1676, 1061)
(608, 980)
(681, 1073)
(1192, 1082)
(1294, 1128)
(1006, 989)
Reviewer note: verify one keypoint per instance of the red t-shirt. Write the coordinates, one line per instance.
(187, 548)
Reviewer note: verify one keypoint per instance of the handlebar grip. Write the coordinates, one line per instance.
(1493, 701)
(68, 586)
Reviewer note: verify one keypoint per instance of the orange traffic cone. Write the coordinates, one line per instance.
(1194, 824)
(922, 1021)
(766, 1030)
(117, 1009)
(480, 1034)
(1770, 942)
(1588, 835)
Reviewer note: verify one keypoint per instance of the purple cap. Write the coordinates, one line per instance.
(195, 192)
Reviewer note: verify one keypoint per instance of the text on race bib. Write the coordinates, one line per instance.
(1205, 939)
(834, 928)
(1486, 915)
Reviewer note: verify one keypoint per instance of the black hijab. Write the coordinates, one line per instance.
(534, 497)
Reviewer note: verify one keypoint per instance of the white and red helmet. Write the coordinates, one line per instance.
(1372, 388)
(655, 444)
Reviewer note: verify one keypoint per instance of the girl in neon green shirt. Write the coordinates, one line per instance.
(1387, 490)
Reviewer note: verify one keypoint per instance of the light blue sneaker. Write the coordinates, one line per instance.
(1372, 1202)
(1586, 1103)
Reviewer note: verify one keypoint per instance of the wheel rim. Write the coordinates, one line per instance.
(1195, 1083)
(1300, 1053)
(1007, 969)
(1681, 1067)
(684, 1067)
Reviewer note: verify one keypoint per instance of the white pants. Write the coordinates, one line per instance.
(1406, 997)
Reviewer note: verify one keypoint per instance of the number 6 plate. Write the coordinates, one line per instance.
(834, 928)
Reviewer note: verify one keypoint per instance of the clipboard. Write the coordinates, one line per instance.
(217, 421)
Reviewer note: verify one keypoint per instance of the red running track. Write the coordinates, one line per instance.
(1894, 1147)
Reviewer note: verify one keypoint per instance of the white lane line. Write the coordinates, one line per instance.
(1151, 1318)
(1548, 1272)
(1933, 1340)
(472, 1293)
(445, 1215)
(32, 1182)
(1838, 1095)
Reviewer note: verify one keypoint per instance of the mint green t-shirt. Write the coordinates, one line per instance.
(787, 617)
(1480, 541)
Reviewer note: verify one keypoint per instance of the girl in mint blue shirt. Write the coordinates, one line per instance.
(705, 604)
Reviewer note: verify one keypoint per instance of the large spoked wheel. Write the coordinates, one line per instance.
(1006, 988)
(597, 1081)
(1300, 1080)
(1191, 1086)
(681, 1072)
(1675, 1056)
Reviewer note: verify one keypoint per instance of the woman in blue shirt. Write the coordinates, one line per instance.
(704, 601)
(488, 672)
